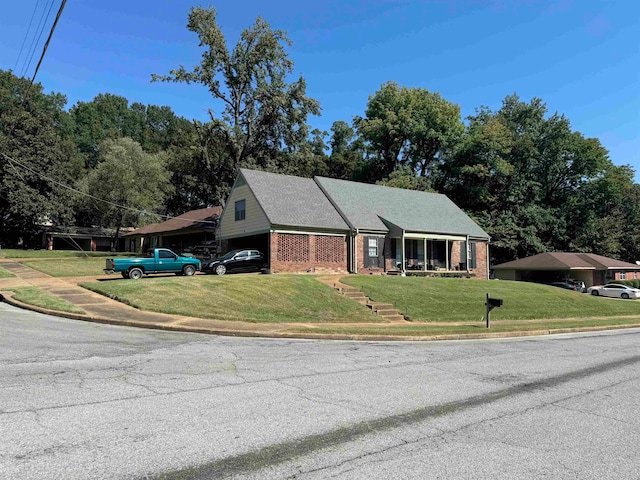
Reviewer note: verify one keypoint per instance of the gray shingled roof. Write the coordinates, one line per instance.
(566, 261)
(293, 201)
(367, 207)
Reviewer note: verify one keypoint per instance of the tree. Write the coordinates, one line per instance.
(127, 186)
(409, 127)
(110, 116)
(262, 113)
(525, 177)
(36, 158)
(347, 151)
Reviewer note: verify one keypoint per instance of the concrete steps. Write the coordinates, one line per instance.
(384, 310)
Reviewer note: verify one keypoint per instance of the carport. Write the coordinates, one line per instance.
(550, 267)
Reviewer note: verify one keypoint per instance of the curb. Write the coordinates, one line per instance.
(310, 336)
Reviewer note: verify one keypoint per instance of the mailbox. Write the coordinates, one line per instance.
(491, 303)
(494, 302)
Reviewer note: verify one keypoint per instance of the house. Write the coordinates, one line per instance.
(328, 225)
(557, 266)
(178, 233)
(89, 239)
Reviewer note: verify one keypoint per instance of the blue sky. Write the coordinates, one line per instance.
(581, 57)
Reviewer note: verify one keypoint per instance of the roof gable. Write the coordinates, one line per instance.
(292, 201)
(370, 207)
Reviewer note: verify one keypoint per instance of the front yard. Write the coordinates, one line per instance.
(462, 300)
(244, 298)
(434, 306)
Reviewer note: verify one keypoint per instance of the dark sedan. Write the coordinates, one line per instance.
(236, 261)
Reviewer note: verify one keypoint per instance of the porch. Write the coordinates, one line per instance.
(421, 254)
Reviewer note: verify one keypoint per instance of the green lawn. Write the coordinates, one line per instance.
(40, 298)
(247, 298)
(4, 273)
(462, 300)
(68, 267)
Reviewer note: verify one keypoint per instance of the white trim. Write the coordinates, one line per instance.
(304, 232)
(434, 236)
(244, 234)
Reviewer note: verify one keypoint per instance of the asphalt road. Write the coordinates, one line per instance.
(88, 401)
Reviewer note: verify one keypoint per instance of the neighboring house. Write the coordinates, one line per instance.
(89, 239)
(556, 266)
(178, 233)
(327, 225)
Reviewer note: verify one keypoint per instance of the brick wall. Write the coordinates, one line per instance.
(456, 254)
(308, 253)
(482, 264)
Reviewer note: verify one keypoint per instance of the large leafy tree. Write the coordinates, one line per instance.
(127, 187)
(262, 114)
(409, 127)
(347, 152)
(524, 175)
(36, 159)
(110, 116)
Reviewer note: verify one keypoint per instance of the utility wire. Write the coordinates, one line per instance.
(124, 207)
(46, 45)
(36, 38)
(26, 35)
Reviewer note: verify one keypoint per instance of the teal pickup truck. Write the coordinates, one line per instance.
(159, 260)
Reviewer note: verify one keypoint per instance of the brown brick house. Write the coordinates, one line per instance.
(560, 266)
(327, 225)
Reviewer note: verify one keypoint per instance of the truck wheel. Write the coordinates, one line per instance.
(135, 273)
(189, 270)
(125, 274)
(221, 270)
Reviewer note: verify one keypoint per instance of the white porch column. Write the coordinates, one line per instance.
(468, 250)
(446, 254)
(403, 254)
(424, 254)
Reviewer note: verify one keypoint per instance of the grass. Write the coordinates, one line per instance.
(462, 300)
(245, 298)
(17, 253)
(68, 267)
(4, 273)
(40, 298)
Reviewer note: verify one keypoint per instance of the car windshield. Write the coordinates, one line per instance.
(229, 255)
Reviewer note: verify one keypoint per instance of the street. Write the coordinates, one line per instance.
(88, 401)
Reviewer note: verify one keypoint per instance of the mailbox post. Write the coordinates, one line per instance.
(491, 304)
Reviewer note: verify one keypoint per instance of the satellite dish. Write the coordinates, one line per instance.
(637, 262)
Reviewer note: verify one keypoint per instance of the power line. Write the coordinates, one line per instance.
(46, 45)
(26, 35)
(124, 207)
(36, 38)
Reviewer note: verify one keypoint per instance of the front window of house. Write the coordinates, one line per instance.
(623, 275)
(241, 209)
(373, 247)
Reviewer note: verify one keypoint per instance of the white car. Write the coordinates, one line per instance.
(614, 290)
